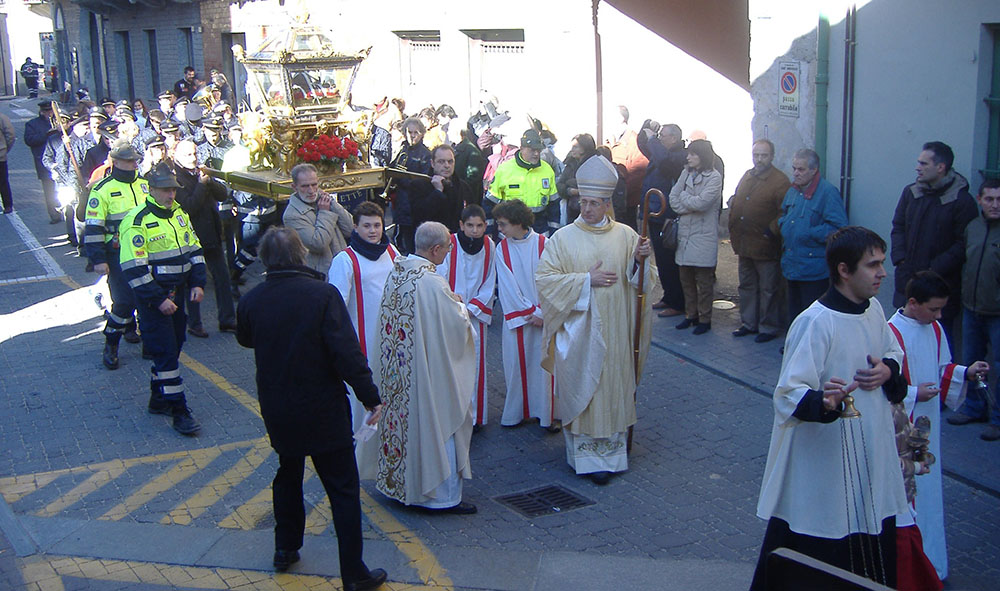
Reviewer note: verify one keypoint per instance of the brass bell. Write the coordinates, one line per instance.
(849, 411)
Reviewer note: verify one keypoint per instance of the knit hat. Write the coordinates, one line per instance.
(596, 178)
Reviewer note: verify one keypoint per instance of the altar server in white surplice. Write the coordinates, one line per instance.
(529, 386)
(929, 372)
(470, 269)
(833, 486)
(359, 273)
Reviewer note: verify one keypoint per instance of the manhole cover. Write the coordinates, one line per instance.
(723, 305)
(544, 501)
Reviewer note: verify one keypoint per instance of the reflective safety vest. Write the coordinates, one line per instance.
(160, 253)
(109, 200)
(535, 186)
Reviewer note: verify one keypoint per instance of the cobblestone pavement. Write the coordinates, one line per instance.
(100, 495)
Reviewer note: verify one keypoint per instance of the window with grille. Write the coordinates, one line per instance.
(993, 102)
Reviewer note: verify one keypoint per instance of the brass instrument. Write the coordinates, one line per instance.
(204, 97)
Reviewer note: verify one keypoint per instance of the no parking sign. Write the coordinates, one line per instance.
(788, 88)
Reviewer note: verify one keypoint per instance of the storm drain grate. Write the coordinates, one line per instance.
(546, 500)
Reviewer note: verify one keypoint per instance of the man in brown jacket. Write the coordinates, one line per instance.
(323, 224)
(753, 228)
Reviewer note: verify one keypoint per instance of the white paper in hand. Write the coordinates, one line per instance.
(365, 431)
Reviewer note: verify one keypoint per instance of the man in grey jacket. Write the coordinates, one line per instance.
(323, 224)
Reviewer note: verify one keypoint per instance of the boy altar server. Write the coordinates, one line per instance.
(359, 273)
(929, 372)
(470, 268)
(529, 386)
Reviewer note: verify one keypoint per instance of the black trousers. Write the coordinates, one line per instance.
(801, 295)
(338, 472)
(666, 267)
(5, 193)
(215, 260)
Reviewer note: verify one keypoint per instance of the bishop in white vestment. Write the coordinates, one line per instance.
(428, 364)
(587, 284)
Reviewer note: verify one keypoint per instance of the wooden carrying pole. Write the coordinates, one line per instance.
(66, 141)
(641, 296)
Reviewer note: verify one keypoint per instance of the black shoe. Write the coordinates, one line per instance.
(131, 334)
(702, 328)
(990, 433)
(184, 423)
(555, 427)
(157, 405)
(764, 337)
(227, 327)
(110, 355)
(600, 478)
(198, 331)
(89, 268)
(960, 418)
(375, 579)
(284, 559)
(237, 278)
(687, 323)
(743, 331)
(462, 508)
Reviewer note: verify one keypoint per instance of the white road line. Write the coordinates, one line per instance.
(23, 112)
(52, 268)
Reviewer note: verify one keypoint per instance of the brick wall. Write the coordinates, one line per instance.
(214, 21)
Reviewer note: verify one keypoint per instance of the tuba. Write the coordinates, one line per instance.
(204, 97)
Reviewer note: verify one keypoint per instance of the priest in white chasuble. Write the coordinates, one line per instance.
(428, 365)
(588, 285)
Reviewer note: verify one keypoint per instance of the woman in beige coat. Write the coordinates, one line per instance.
(697, 199)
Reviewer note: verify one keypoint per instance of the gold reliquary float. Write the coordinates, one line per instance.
(300, 93)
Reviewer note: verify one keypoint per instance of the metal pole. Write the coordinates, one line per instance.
(599, 67)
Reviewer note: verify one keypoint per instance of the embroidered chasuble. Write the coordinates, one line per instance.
(587, 336)
(428, 365)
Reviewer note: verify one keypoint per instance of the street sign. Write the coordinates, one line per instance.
(788, 89)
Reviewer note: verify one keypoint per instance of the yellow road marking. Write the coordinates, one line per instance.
(96, 481)
(68, 282)
(189, 466)
(247, 515)
(13, 488)
(194, 506)
(222, 383)
(46, 574)
(421, 558)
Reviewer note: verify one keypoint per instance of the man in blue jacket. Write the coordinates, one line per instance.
(811, 211)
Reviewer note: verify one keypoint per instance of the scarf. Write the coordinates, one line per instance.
(370, 251)
(470, 245)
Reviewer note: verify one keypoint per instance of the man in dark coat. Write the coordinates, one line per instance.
(306, 348)
(664, 148)
(928, 228)
(36, 135)
(443, 197)
(200, 196)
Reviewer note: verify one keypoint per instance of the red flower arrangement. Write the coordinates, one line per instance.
(329, 148)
